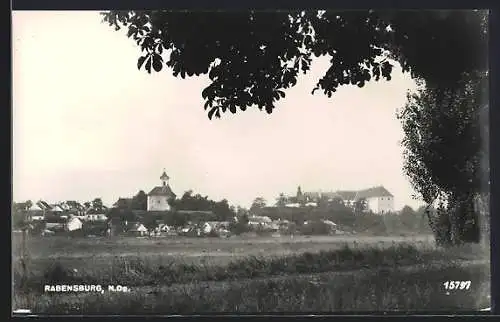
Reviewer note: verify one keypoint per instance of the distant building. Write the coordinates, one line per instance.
(137, 229)
(36, 207)
(44, 206)
(378, 199)
(259, 221)
(159, 197)
(73, 224)
(348, 197)
(94, 217)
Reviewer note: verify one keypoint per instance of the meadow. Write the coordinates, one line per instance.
(193, 275)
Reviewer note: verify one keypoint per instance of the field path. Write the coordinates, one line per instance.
(315, 278)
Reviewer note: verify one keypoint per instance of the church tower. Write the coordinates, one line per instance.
(159, 198)
(164, 178)
(300, 195)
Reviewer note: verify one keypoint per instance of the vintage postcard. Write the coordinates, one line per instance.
(188, 162)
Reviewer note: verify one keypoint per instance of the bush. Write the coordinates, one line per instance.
(315, 228)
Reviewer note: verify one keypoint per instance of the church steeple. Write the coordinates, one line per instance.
(164, 178)
(299, 192)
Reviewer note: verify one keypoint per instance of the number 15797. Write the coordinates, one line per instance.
(456, 285)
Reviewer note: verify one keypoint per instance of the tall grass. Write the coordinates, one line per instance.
(345, 279)
(385, 290)
(143, 271)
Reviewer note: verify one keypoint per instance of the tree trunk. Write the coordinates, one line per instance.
(439, 222)
(468, 230)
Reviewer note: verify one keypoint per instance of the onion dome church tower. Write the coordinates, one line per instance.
(159, 196)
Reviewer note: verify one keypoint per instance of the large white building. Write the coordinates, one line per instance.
(378, 199)
(159, 197)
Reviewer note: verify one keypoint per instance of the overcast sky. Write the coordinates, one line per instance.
(88, 124)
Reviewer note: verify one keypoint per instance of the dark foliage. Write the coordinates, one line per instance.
(252, 57)
(446, 151)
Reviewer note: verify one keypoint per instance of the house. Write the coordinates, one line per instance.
(274, 226)
(56, 208)
(160, 196)
(137, 229)
(55, 223)
(218, 224)
(36, 208)
(43, 205)
(308, 198)
(331, 225)
(259, 221)
(94, 217)
(378, 199)
(163, 228)
(348, 197)
(210, 226)
(73, 224)
(207, 228)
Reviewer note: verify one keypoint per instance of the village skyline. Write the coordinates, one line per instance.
(76, 138)
(309, 196)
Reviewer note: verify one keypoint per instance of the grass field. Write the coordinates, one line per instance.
(187, 275)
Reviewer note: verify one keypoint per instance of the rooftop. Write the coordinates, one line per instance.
(379, 191)
(162, 191)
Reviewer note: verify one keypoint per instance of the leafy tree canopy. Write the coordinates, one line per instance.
(188, 201)
(258, 203)
(446, 152)
(139, 201)
(252, 57)
(446, 139)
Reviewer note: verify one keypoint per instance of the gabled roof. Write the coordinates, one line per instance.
(374, 192)
(58, 208)
(329, 222)
(73, 219)
(137, 227)
(74, 204)
(312, 194)
(330, 195)
(44, 205)
(36, 207)
(346, 195)
(162, 191)
(261, 219)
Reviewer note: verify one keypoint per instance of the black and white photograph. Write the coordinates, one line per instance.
(170, 162)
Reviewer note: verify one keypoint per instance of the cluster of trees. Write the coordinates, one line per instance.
(135, 209)
(446, 154)
(346, 218)
(252, 57)
(189, 201)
